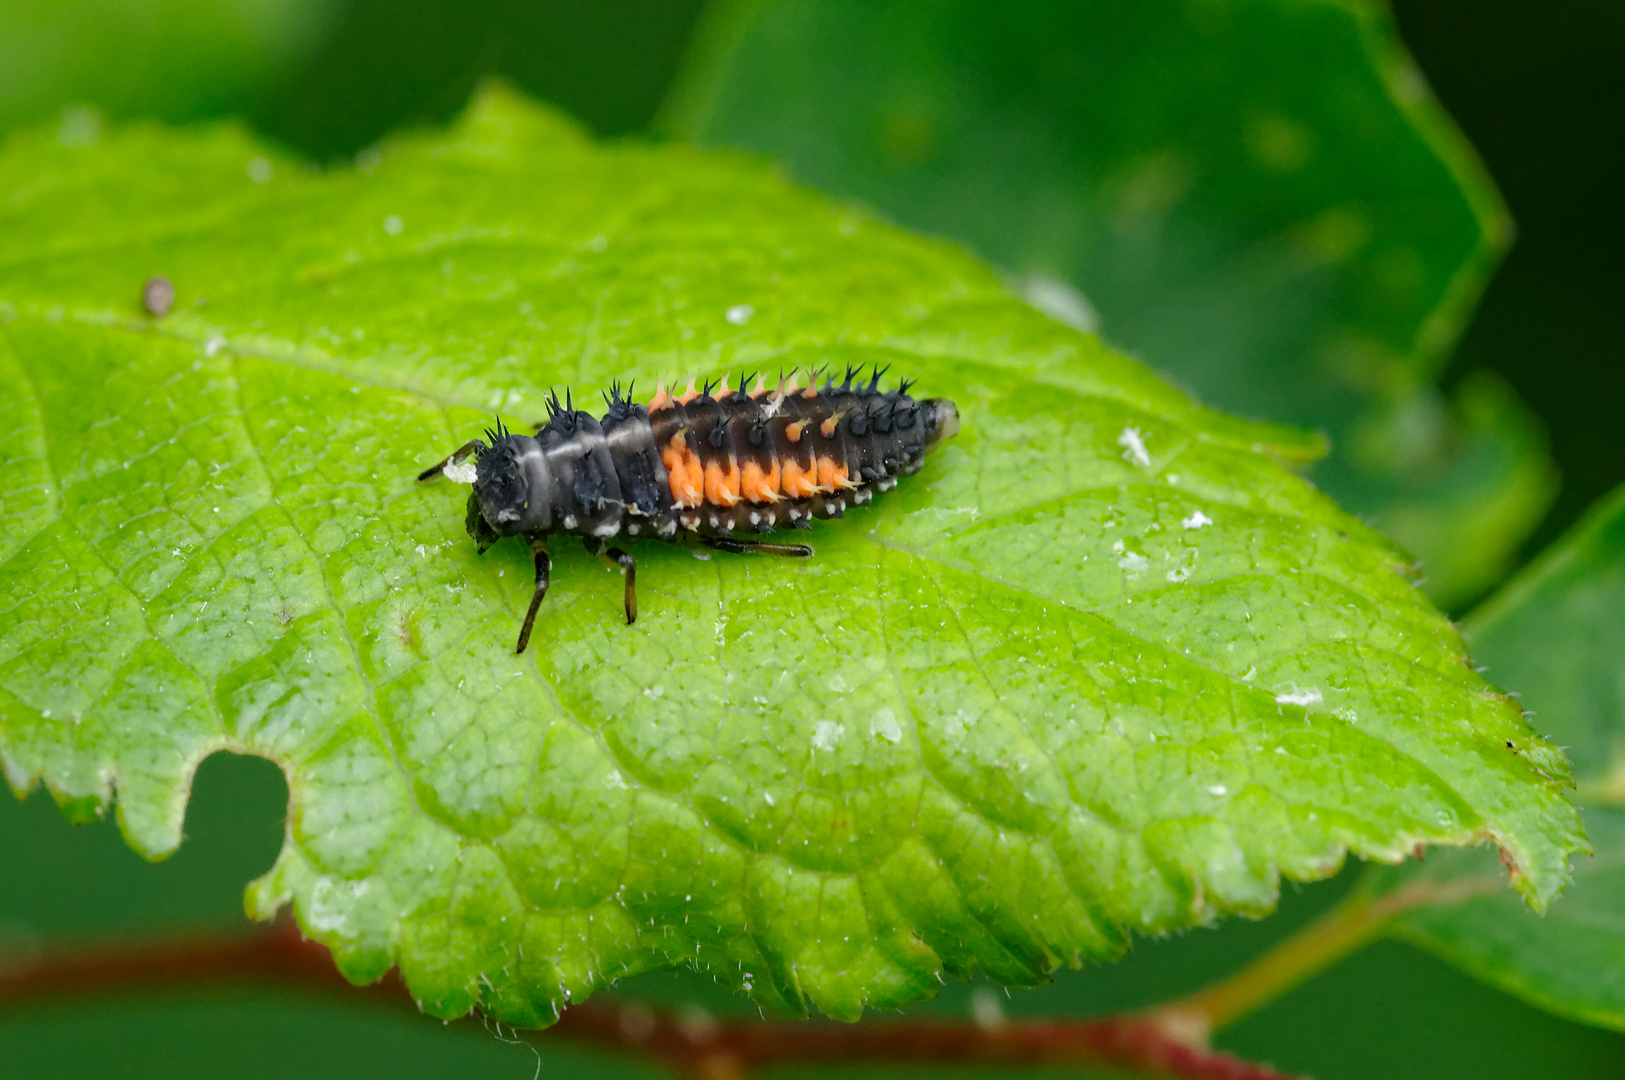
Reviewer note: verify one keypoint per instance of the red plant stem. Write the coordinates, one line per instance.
(702, 1049)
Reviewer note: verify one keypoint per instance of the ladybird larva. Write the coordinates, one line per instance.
(721, 466)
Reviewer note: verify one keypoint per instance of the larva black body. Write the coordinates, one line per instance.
(721, 466)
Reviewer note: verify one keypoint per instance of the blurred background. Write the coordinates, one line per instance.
(1461, 348)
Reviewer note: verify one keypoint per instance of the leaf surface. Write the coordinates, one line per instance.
(1260, 197)
(1103, 666)
(1557, 634)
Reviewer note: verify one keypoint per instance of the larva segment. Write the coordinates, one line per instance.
(722, 482)
(686, 474)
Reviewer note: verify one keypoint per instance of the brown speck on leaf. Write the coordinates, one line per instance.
(283, 618)
(158, 296)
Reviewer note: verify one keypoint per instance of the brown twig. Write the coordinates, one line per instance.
(696, 1047)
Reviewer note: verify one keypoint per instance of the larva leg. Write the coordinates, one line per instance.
(629, 567)
(544, 575)
(741, 547)
(456, 457)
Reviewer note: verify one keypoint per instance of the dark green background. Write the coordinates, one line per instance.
(1539, 90)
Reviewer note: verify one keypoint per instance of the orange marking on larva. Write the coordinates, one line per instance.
(723, 391)
(831, 474)
(811, 391)
(661, 400)
(758, 486)
(721, 487)
(690, 394)
(760, 388)
(795, 482)
(827, 428)
(683, 472)
(793, 431)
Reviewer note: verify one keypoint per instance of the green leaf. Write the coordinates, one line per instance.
(1557, 633)
(1260, 197)
(1104, 665)
(173, 59)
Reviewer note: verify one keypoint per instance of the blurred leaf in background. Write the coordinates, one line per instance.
(1557, 634)
(1260, 198)
(171, 60)
(388, 63)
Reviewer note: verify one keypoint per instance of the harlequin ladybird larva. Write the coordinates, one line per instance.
(713, 464)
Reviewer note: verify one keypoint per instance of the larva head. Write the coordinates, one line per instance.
(511, 486)
(941, 420)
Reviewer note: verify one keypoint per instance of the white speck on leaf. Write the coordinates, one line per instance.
(884, 725)
(260, 170)
(1061, 301)
(739, 314)
(1133, 445)
(393, 225)
(827, 735)
(1306, 696)
(1196, 520)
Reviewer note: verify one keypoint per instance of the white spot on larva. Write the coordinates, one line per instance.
(755, 518)
(393, 225)
(569, 521)
(884, 725)
(460, 472)
(1196, 520)
(739, 314)
(260, 170)
(1306, 696)
(827, 735)
(1133, 445)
